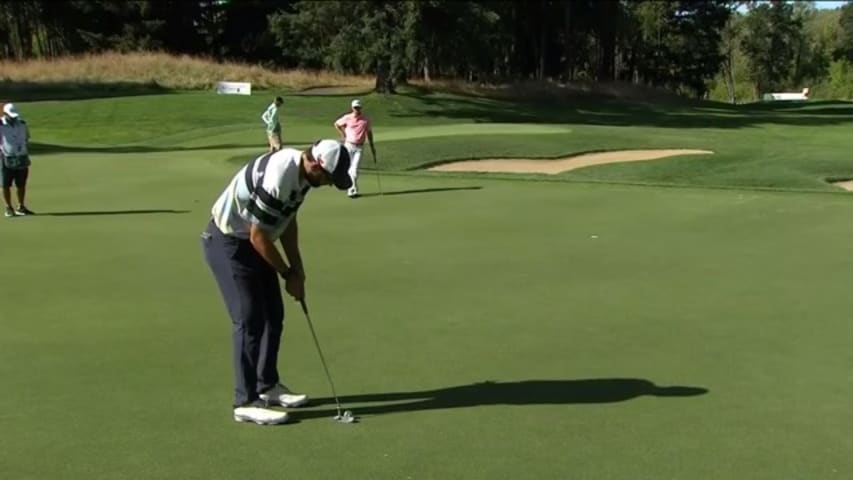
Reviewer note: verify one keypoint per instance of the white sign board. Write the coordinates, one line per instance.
(234, 88)
(804, 95)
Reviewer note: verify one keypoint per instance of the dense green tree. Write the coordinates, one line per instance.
(770, 41)
(677, 44)
(813, 45)
(844, 48)
(376, 36)
(121, 26)
(245, 35)
(681, 45)
(35, 28)
(453, 38)
(729, 49)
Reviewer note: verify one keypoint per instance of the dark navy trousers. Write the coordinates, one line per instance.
(249, 285)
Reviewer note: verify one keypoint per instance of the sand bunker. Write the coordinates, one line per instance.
(846, 185)
(561, 165)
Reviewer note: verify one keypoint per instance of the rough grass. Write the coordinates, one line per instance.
(180, 72)
(153, 72)
(538, 89)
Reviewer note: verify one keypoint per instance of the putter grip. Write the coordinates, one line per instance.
(304, 307)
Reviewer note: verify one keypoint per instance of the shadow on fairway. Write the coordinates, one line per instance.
(23, 91)
(332, 91)
(591, 110)
(109, 212)
(528, 392)
(421, 190)
(47, 149)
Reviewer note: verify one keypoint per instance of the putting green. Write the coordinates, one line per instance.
(503, 328)
(480, 327)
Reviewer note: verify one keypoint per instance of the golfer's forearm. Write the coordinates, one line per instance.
(290, 244)
(266, 249)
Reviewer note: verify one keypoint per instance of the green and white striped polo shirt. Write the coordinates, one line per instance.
(278, 191)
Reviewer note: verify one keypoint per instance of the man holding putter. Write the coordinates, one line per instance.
(354, 128)
(256, 209)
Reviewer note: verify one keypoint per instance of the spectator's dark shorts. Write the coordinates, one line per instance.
(18, 176)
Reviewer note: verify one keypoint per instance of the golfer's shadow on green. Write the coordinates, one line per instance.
(108, 212)
(527, 392)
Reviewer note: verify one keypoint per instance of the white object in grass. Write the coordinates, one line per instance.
(234, 88)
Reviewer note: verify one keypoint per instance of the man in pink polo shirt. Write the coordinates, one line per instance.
(354, 127)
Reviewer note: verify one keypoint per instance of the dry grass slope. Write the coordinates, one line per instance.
(164, 70)
(156, 70)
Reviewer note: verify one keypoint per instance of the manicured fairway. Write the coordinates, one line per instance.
(482, 327)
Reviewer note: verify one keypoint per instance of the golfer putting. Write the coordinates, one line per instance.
(258, 208)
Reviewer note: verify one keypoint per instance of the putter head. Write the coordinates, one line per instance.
(346, 417)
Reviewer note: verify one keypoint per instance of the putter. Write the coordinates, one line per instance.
(347, 416)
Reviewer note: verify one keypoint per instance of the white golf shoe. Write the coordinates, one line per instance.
(281, 395)
(257, 414)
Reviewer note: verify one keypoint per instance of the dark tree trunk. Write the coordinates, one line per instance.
(568, 51)
(543, 39)
(384, 82)
(728, 75)
(427, 78)
(608, 40)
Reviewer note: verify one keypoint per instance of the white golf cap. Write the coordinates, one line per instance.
(356, 103)
(10, 110)
(334, 157)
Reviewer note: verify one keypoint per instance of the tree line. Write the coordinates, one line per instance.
(703, 48)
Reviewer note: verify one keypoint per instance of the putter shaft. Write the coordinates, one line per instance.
(378, 181)
(320, 352)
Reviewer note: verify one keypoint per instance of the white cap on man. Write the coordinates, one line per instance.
(335, 159)
(356, 103)
(10, 110)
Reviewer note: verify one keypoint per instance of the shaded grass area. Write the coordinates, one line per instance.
(614, 112)
(46, 148)
(29, 91)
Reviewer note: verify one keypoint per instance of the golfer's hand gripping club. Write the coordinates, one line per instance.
(294, 284)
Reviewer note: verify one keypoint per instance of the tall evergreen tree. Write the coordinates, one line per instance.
(771, 33)
(845, 42)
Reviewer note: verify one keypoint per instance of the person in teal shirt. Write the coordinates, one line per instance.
(270, 118)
